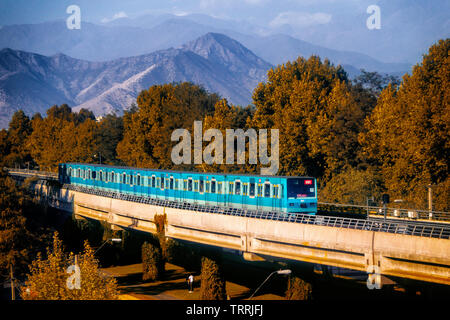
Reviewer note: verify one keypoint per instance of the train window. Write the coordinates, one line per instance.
(124, 178)
(190, 184)
(162, 181)
(201, 186)
(237, 188)
(213, 186)
(138, 182)
(94, 175)
(196, 186)
(252, 189)
(176, 184)
(184, 185)
(153, 182)
(267, 190)
(171, 183)
(207, 186)
(79, 173)
(100, 176)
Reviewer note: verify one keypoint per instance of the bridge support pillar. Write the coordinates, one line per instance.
(252, 257)
(78, 217)
(115, 227)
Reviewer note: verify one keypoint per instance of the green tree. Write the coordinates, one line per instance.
(212, 281)
(49, 278)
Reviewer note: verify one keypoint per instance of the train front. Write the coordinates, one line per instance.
(302, 195)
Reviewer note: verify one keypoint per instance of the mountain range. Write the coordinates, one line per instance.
(130, 37)
(103, 67)
(34, 82)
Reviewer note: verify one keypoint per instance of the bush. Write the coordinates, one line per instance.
(152, 263)
(298, 289)
(212, 281)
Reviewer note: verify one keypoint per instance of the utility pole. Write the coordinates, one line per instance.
(430, 202)
(13, 291)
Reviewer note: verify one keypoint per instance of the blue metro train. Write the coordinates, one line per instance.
(245, 191)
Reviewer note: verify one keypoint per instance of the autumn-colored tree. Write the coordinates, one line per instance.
(152, 262)
(110, 133)
(64, 136)
(64, 276)
(161, 110)
(298, 289)
(212, 285)
(407, 135)
(14, 235)
(352, 186)
(310, 102)
(225, 117)
(14, 142)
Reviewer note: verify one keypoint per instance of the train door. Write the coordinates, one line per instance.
(252, 193)
(259, 198)
(214, 195)
(276, 200)
(201, 191)
(195, 193)
(244, 195)
(230, 194)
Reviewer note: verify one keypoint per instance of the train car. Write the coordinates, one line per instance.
(244, 191)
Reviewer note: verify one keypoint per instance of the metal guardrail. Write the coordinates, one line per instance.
(413, 214)
(35, 173)
(440, 232)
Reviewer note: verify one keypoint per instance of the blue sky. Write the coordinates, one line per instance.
(258, 11)
(409, 27)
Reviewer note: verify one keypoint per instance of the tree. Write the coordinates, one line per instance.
(298, 289)
(16, 150)
(49, 278)
(312, 105)
(152, 262)
(225, 117)
(212, 281)
(407, 135)
(64, 136)
(352, 186)
(110, 133)
(162, 109)
(14, 235)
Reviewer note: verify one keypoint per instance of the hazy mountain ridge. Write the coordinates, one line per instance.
(130, 37)
(34, 82)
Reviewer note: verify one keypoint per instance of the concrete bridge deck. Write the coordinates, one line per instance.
(387, 248)
(356, 244)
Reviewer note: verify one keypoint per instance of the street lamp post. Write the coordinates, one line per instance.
(112, 240)
(282, 272)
